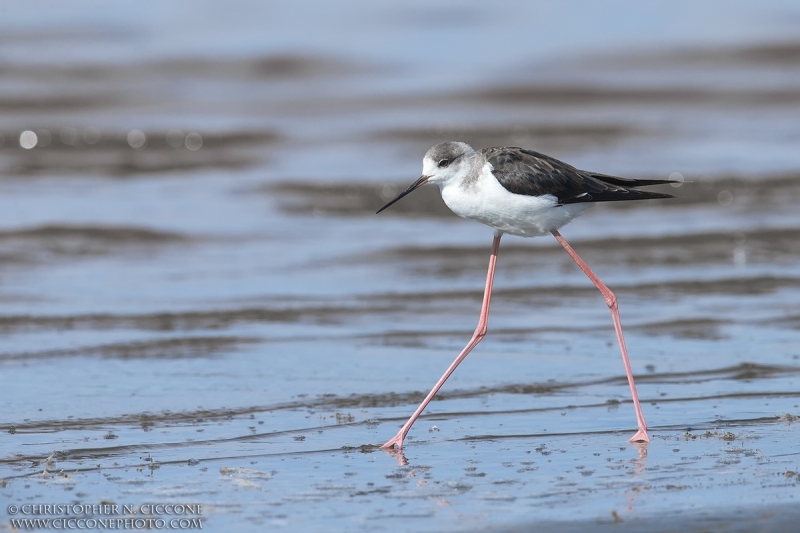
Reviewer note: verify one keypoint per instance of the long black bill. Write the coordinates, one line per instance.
(421, 181)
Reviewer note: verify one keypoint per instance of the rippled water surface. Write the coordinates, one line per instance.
(198, 303)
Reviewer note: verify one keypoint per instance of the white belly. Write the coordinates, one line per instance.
(490, 203)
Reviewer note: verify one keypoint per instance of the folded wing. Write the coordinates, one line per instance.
(530, 173)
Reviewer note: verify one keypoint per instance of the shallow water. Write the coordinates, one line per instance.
(226, 322)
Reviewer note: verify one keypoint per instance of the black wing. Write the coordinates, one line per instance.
(530, 173)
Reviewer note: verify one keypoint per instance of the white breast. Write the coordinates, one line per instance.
(490, 203)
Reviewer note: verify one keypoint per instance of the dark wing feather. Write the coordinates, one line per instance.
(628, 182)
(530, 173)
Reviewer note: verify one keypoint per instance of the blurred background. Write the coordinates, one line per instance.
(198, 303)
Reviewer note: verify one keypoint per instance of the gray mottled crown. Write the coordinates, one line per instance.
(450, 150)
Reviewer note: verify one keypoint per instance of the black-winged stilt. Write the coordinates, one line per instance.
(523, 193)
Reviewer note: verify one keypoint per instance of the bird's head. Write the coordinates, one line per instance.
(441, 164)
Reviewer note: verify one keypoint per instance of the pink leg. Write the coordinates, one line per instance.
(611, 301)
(480, 332)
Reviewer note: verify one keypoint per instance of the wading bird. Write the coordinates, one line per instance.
(525, 193)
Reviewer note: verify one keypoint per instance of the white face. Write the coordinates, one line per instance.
(443, 163)
(442, 171)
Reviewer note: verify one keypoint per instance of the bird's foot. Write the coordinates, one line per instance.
(641, 436)
(396, 443)
(396, 454)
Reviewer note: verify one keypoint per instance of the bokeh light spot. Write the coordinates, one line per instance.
(389, 191)
(725, 198)
(175, 138)
(28, 139)
(707, 183)
(136, 139)
(677, 177)
(91, 135)
(740, 256)
(194, 141)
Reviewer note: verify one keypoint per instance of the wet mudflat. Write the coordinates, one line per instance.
(199, 306)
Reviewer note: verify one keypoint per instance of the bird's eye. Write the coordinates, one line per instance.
(443, 163)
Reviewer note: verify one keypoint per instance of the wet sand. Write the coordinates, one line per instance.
(218, 317)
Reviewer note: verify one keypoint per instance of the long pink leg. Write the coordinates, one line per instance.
(480, 333)
(611, 301)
